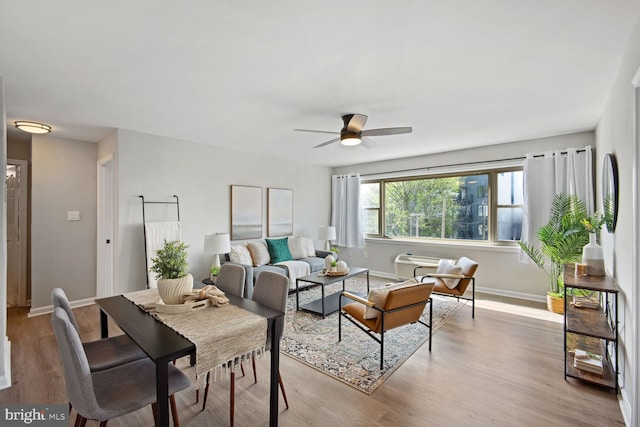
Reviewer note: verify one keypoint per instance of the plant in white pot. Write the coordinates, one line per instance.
(562, 240)
(170, 266)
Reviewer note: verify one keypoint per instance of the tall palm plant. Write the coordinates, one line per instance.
(562, 239)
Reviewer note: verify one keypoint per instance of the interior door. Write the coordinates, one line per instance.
(16, 175)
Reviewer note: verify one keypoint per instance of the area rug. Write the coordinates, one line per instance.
(356, 359)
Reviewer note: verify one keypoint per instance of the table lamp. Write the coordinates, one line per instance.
(216, 244)
(327, 233)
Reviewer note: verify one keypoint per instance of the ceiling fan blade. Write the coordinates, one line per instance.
(368, 143)
(354, 122)
(317, 131)
(331, 141)
(387, 131)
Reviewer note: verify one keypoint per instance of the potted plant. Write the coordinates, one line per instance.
(592, 254)
(214, 273)
(335, 251)
(170, 266)
(562, 240)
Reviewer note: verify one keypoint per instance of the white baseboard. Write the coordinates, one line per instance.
(5, 379)
(49, 308)
(625, 407)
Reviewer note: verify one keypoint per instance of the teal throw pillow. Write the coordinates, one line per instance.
(279, 250)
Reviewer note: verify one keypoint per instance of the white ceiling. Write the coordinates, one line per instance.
(244, 74)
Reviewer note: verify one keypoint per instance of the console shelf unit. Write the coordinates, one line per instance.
(594, 330)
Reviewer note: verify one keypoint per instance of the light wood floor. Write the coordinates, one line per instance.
(499, 369)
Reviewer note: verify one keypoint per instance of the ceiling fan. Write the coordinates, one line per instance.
(352, 133)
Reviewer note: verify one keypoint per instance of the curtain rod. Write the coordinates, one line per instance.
(479, 162)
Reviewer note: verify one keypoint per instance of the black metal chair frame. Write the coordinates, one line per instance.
(457, 297)
(382, 329)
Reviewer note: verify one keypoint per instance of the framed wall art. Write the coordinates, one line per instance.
(279, 212)
(246, 212)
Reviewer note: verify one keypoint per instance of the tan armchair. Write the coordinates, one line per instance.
(464, 278)
(400, 305)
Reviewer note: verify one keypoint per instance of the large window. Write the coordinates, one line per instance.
(445, 207)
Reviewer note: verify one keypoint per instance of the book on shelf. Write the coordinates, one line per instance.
(587, 361)
(584, 302)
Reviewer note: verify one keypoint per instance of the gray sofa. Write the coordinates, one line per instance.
(316, 263)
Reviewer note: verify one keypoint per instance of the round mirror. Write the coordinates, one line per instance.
(610, 192)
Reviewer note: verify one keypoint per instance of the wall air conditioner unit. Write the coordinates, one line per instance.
(405, 264)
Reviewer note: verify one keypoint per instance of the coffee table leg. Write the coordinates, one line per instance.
(323, 312)
(367, 282)
(297, 298)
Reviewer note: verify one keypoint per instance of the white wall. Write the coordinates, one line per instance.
(499, 268)
(614, 134)
(63, 253)
(201, 175)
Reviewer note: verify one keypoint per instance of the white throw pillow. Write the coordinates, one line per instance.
(259, 253)
(446, 267)
(241, 254)
(379, 295)
(295, 247)
(307, 247)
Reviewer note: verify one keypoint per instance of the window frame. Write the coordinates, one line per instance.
(492, 208)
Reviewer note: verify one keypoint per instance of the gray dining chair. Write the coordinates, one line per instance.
(109, 393)
(105, 353)
(231, 279)
(272, 290)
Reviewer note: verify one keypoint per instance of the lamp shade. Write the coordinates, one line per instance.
(327, 233)
(217, 243)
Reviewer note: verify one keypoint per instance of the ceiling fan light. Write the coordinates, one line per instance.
(350, 140)
(33, 127)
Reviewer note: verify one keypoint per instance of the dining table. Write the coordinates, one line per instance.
(163, 344)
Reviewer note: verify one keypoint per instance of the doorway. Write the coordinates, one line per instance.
(17, 184)
(104, 260)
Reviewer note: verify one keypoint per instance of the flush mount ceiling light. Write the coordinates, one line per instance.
(350, 139)
(33, 127)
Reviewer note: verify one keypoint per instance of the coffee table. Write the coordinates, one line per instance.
(328, 303)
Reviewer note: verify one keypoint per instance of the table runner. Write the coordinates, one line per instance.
(223, 336)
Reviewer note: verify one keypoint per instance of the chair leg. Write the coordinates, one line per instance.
(430, 321)
(232, 391)
(104, 423)
(206, 392)
(255, 376)
(70, 406)
(80, 420)
(154, 408)
(284, 394)
(242, 368)
(174, 411)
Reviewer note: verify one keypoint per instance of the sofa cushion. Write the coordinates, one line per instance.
(446, 267)
(315, 263)
(259, 253)
(268, 267)
(379, 295)
(240, 254)
(279, 250)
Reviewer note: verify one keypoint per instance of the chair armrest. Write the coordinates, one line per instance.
(415, 270)
(359, 299)
(446, 276)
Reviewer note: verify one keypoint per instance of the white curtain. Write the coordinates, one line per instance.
(345, 210)
(544, 177)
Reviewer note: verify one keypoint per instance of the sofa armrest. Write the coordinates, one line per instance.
(248, 277)
(323, 254)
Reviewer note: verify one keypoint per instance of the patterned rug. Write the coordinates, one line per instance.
(356, 359)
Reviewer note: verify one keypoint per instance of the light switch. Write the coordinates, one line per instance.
(73, 215)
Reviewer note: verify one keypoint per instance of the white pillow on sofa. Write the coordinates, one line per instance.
(379, 295)
(301, 247)
(241, 254)
(259, 253)
(447, 267)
